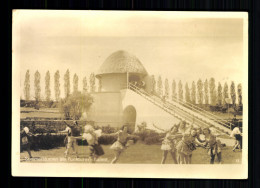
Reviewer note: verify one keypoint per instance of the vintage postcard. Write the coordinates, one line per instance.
(143, 94)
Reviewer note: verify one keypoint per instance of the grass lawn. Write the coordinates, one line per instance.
(42, 112)
(135, 154)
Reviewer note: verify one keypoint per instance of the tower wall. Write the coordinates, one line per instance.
(113, 82)
(106, 109)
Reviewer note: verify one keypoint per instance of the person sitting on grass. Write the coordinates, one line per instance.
(26, 139)
(71, 142)
(121, 143)
(236, 133)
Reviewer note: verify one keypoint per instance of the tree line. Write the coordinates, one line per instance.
(200, 92)
(57, 86)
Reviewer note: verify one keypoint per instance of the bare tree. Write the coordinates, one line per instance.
(27, 85)
(37, 85)
(47, 86)
(193, 93)
(67, 83)
(57, 85)
(200, 91)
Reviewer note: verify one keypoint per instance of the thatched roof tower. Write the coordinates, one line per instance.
(119, 68)
(121, 62)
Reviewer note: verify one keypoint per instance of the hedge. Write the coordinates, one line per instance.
(153, 140)
(46, 141)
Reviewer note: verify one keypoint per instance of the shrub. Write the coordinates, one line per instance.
(108, 129)
(146, 133)
(153, 140)
(73, 106)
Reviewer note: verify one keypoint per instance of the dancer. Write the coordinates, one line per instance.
(121, 144)
(236, 133)
(214, 146)
(91, 136)
(26, 140)
(187, 145)
(71, 142)
(183, 128)
(169, 144)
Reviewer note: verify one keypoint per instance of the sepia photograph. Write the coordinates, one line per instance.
(145, 94)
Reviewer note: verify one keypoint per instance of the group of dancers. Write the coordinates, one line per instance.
(180, 141)
(91, 136)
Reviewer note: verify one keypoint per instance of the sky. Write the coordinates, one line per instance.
(174, 45)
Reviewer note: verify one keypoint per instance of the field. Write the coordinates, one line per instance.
(42, 113)
(135, 154)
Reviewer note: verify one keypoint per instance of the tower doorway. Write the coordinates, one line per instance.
(129, 117)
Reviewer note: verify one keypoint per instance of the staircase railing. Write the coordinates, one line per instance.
(204, 113)
(176, 108)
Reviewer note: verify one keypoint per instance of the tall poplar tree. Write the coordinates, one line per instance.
(75, 83)
(85, 85)
(220, 95)
(187, 93)
(37, 85)
(193, 93)
(233, 93)
(225, 93)
(47, 86)
(67, 83)
(166, 90)
(212, 91)
(239, 93)
(206, 92)
(180, 91)
(92, 82)
(57, 85)
(27, 85)
(200, 91)
(159, 86)
(174, 94)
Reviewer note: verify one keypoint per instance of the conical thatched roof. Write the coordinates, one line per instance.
(121, 62)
